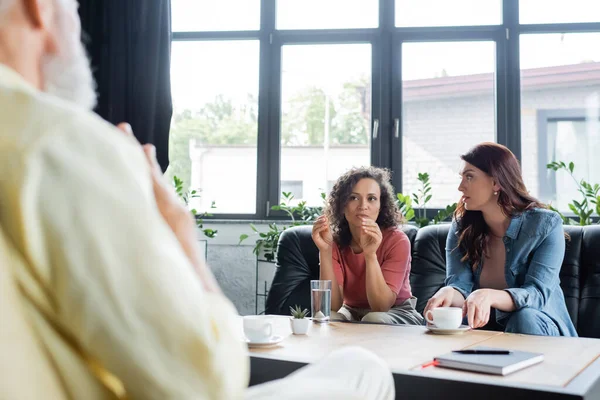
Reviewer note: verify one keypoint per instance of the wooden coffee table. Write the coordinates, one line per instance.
(571, 367)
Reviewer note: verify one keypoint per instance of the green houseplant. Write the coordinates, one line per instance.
(420, 199)
(186, 196)
(589, 202)
(299, 322)
(299, 214)
(297, 312)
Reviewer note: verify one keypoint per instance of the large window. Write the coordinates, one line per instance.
(448, 106)
(560, 99)
(558, 11)
(448, 12)
(327, 14)
(275, 96)
(215, 15)
(214, 127)
(569, 136)
(325, 113)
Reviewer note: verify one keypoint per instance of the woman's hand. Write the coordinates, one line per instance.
(477, 307)
(321, 234)
(443, 298)
(370, 236)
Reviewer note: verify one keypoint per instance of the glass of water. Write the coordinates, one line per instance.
(320, 300)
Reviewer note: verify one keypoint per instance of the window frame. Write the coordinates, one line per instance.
(437, 35)
(286, 38)
(544, 119)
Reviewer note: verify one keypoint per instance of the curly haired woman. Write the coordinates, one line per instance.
(363, 253)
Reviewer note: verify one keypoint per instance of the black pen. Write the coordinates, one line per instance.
(472, 351)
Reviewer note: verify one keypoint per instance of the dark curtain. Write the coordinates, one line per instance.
(129, 42)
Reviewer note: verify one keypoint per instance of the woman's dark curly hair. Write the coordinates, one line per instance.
(389, 214)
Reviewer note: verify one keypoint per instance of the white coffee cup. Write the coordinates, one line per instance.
(445, 317)
(258, 328)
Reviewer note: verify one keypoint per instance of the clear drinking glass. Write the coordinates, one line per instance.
(320, 300)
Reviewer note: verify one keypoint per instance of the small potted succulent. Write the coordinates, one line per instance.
(299, 322)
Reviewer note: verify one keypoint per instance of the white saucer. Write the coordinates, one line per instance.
(446, 331)
(272, 341)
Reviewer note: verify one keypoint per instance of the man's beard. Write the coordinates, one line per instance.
(69, 76)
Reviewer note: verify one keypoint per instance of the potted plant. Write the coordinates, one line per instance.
(299, 322)
(300, 214)
(420, 199)
(186, 196)
(589, 201)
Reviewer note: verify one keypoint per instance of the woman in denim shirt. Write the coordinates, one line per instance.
(504, 251)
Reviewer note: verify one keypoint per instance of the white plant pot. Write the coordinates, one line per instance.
(300, 326)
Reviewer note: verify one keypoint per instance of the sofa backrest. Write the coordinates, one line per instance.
(298, 263)
(428, 267)
(580, 278)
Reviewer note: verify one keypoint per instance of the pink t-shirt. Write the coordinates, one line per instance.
(394, 259)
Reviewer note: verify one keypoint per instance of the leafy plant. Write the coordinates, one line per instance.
(590, 201)
(188, 195)
(300, 214)
(421, 198)
(301, 211)
(267, 242)
(297, 312)
(444, 214)
(405, 205)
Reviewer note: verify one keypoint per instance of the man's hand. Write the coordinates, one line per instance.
(175, 214)
(169, 205)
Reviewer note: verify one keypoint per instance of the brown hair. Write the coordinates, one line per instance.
(389, 214)
(501, 164)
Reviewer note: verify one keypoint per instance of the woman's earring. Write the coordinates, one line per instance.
(495, 193)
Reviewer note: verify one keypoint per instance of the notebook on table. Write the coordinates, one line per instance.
(497, 364)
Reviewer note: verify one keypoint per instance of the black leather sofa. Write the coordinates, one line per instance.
(298, 263)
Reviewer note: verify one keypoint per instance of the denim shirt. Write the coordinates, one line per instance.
(535, 246)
